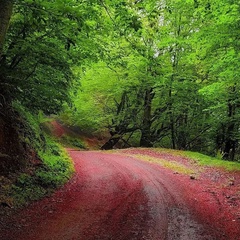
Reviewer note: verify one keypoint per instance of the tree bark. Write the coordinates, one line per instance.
(145, 140)
(230, 142)
(111, 142)
(172, 127)
(6, 7)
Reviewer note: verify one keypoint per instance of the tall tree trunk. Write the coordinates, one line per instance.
(5, 14)
(174, 68)
(111, 142)
(145, 140)
(180, 131)
(231, 139)
(172, 127)
(230, 142)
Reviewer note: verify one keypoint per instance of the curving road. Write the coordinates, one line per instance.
(114, 197)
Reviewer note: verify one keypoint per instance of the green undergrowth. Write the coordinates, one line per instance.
(48, 168)
(203, 160)
(69, 139)
(197, 158)
(173, 165)
(55, 170)
(57, 166)
(72, 142)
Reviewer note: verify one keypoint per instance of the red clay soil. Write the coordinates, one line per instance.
(58, 129)
(114, 196)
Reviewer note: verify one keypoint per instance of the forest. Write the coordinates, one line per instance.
(153, 73)
(156, 82)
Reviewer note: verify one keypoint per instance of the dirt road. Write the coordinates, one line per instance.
(115, 196)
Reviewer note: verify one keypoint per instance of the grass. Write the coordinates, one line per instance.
(56, 169)
(173, 165)
(203, 160)
(68, 139)
(198, 158)
(73, 142)
(33, 182)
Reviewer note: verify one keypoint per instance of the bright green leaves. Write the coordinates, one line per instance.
(166, 68)
(172, 64)
(45, 40)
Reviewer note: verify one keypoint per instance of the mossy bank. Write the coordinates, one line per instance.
(38, 169)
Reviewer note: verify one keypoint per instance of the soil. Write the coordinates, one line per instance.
(116, 196)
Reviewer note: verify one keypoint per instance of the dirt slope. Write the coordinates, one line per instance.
(115, 196)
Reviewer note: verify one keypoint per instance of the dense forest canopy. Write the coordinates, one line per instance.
(151, 73)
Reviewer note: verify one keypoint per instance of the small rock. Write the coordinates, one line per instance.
(231, 183)
(5, 204)
(192, 177)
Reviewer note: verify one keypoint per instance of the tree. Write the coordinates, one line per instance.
(220, 39)
(175, 69)
(5, 15)
(46, 40)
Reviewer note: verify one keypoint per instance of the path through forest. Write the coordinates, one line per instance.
(114, 195)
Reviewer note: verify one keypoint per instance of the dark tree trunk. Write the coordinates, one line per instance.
(5, 14)
(181, 136)
(111, 142)
(230, 144)
(145, 140)
(229, 150)
(172, 127)
(230, 141)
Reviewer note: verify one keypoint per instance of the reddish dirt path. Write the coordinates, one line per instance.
(113, 196)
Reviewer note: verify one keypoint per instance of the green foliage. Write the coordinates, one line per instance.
(72, 142)
(57, 168)
(170, 71)
(202, 159)
(158, 73)
(53, 171)
(99, 87)
(25, 190)
(45, 40)
(31, 131)
(212, 161)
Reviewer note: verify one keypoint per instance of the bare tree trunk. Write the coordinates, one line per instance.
(230, 141)
(172, 127)
(6, 7)
(111, 142)
(145, 140)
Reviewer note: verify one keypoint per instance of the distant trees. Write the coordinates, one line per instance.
(160, 73)
(219, 45)
(175, 68)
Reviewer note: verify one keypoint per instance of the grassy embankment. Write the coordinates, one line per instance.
(52, 170)
(195, 158)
